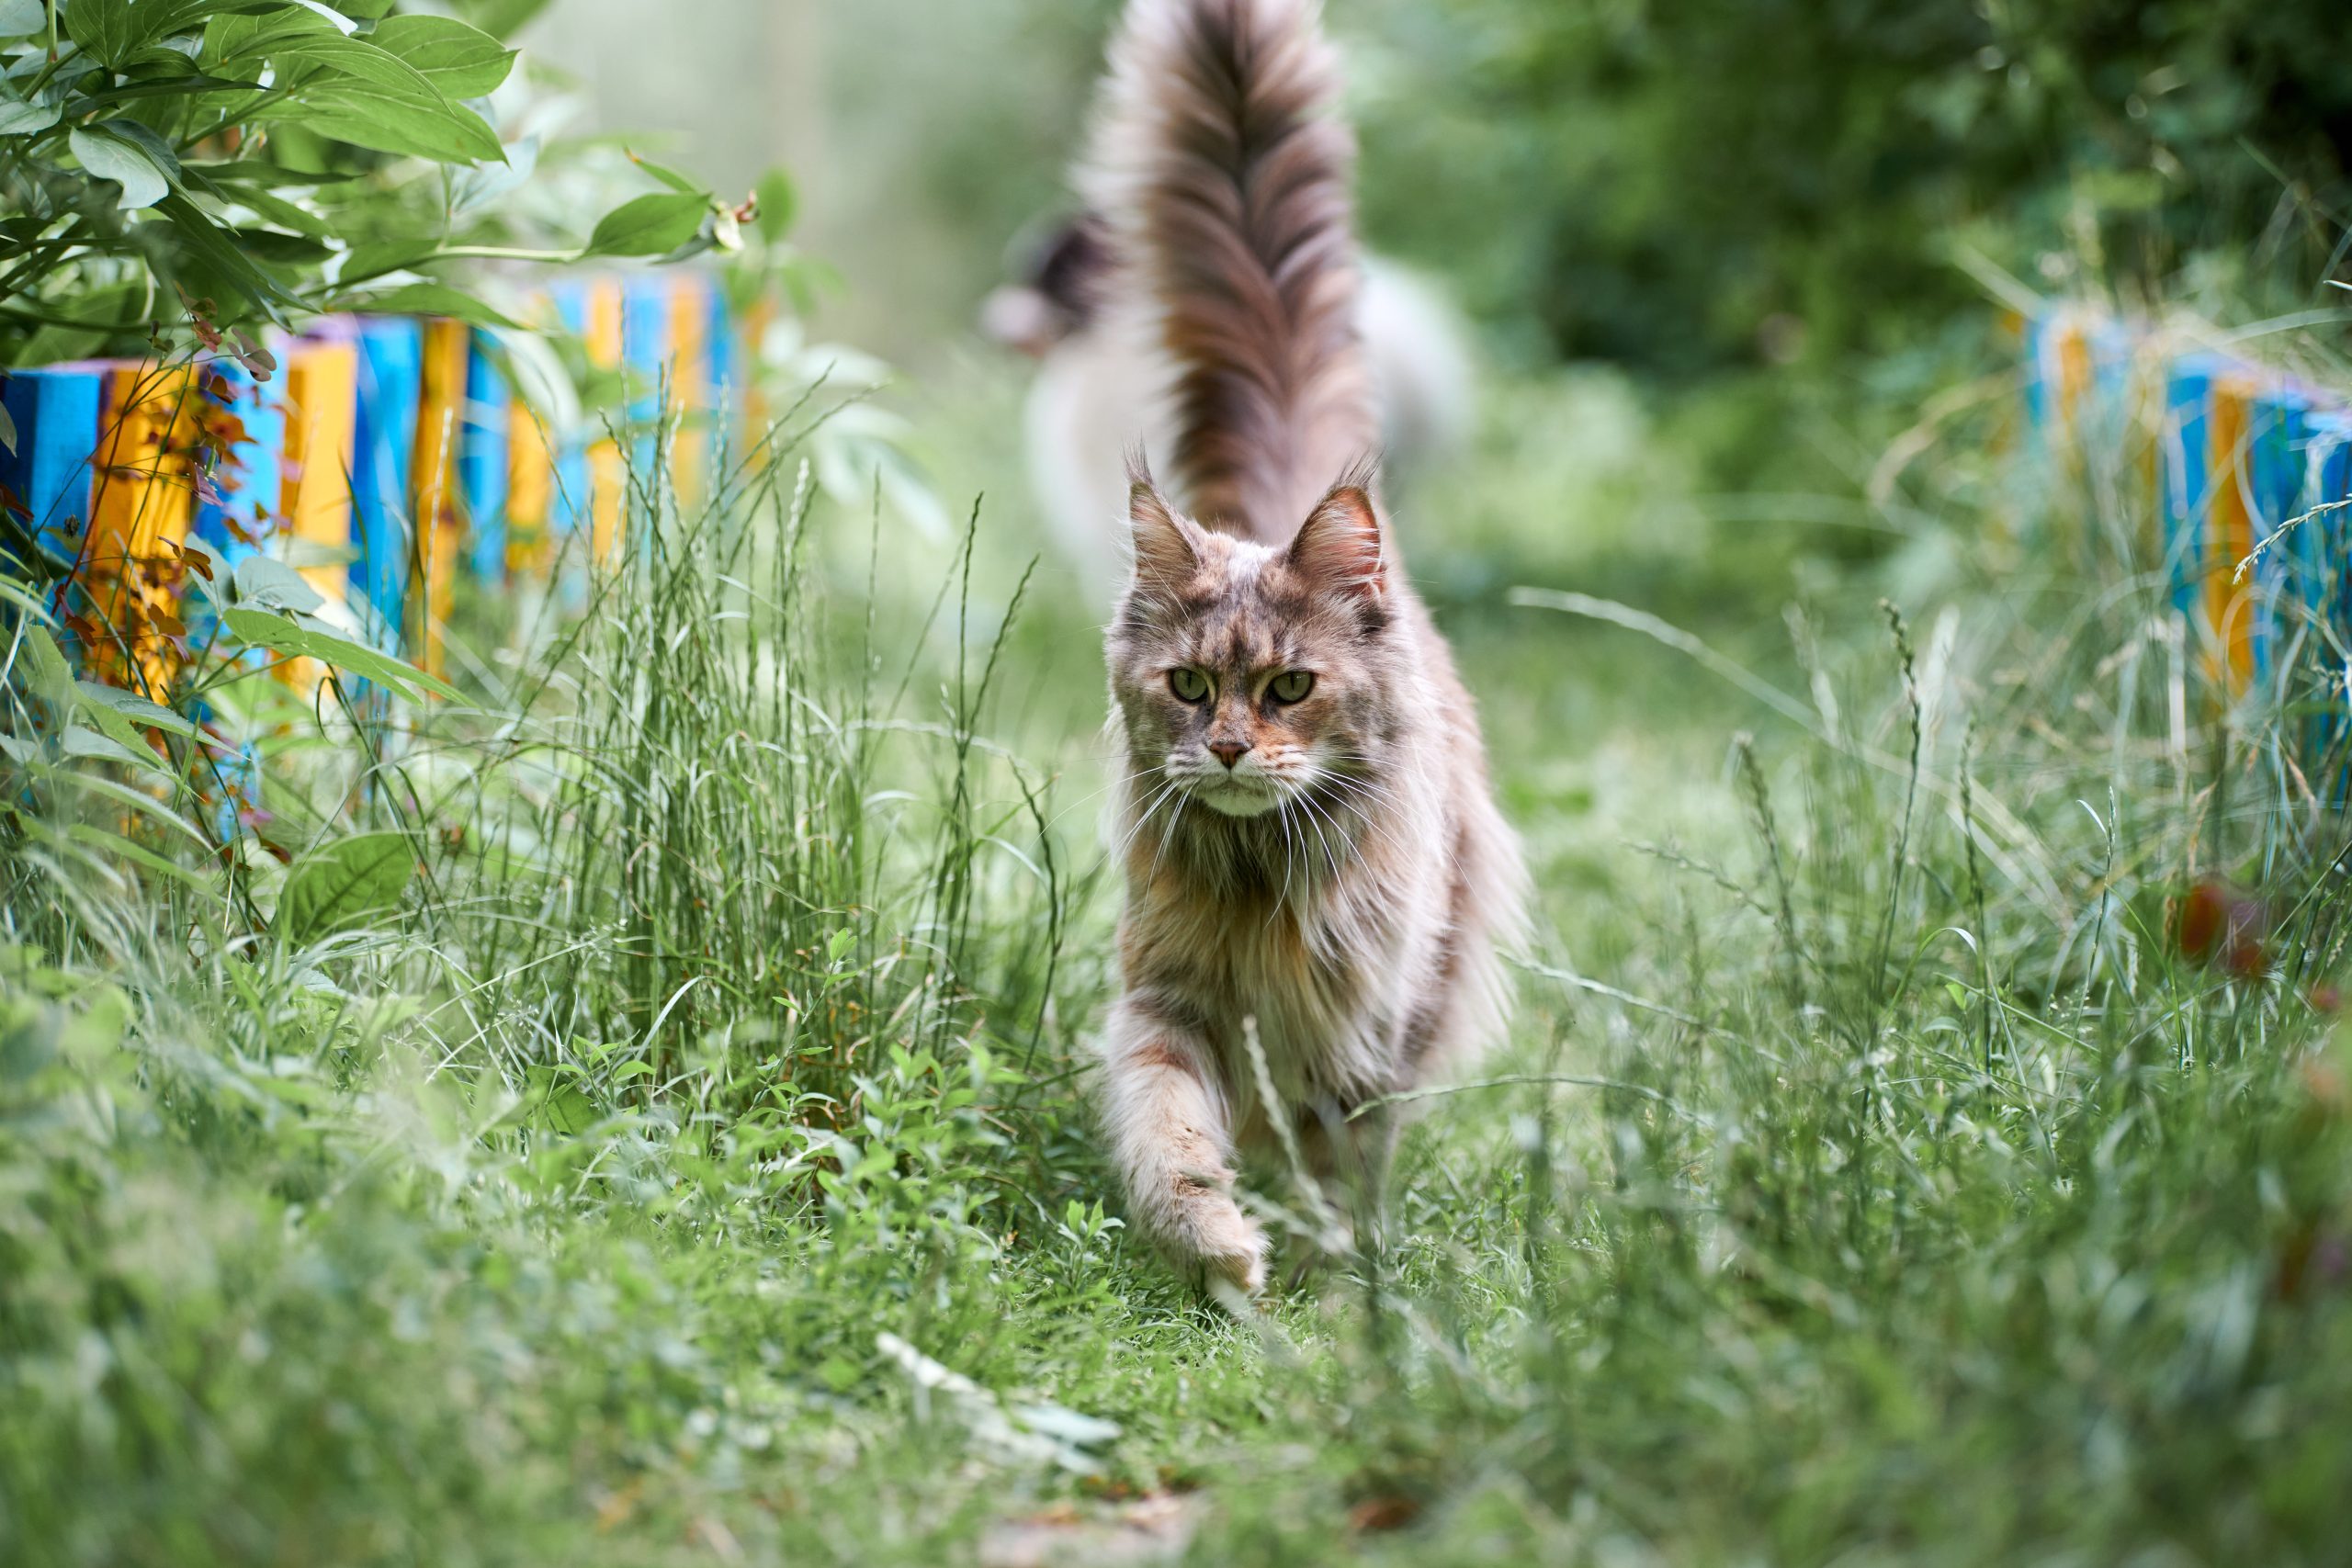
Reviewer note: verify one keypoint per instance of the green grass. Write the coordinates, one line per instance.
(1868, 1179)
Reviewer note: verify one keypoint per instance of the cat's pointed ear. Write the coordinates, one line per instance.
(1166, 554)
(1338, 548)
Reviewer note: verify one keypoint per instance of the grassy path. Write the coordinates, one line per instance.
(692, 1171)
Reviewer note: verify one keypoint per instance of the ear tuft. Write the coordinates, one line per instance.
(1338, 548)
(1166, 555)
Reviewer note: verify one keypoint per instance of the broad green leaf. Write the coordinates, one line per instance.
(267, 205)
(357, 58)
(380, 256)
(262, 583)
(298, 251)
(183, 81)
(131, 708)
(334, 19)
(279, 634)
(91, 744)
(499, 17)
(123, 794)
(109, 156)
(557, 1100)
(462, 60)
(19, 18)
(116, 32)
(438, 299)
(215, 251)
(649, 225)
(345, 884)
(669, 177)
(351, 90)
(93, 837)
(110, 31)
(20, 117)
(46, 676)
(408, 122)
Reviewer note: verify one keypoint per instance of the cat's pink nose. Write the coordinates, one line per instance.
(1228, 751)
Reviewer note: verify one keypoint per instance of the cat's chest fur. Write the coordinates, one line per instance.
(1326, 976)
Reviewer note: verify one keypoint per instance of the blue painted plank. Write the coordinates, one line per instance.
(646, 353)
(392, 367)
(568, 508)
(55, 411)
(2183, 459)
(250, 476)
(482, 463)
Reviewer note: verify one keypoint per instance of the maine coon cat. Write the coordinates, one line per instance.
(1308, 837)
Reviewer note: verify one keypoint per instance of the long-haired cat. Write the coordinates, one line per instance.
(1309, 839)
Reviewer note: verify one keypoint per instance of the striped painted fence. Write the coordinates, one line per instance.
(2231, 460)
(387, 456)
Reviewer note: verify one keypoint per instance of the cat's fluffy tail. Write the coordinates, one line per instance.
(1220, 161)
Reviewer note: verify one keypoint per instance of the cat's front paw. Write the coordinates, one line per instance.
(1220, 1242)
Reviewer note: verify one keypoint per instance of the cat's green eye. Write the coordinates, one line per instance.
(1189, 684)
(1292, 685)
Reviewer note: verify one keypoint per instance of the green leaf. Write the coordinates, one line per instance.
(215, 251)
(649, 225)
(137, 800)
(345, 884)
(407, 122)
(263, 582)
(130, 708)
(438, 299)
(555, 1098)
(350, 90)
(379, 257)
(90, 745)
(669, 177)
(499, 17)
(110, 31)
(20, 117)
(114, 32)
(47, 677)
(268, 206)
(281, 249)
(96, 838)
(109, 156)
(178, 83)
(21, 18)
(779, 202)
(258, 628)
(462, 60)
(7, 430)
(337, 19)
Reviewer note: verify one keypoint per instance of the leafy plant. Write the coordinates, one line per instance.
(264, 160)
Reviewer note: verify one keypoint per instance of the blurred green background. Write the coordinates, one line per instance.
(1703, 188)
(1719, 256)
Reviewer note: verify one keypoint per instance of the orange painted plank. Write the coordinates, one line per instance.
(438, 502)
(143, 498)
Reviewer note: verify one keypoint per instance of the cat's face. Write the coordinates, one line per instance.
(1247, 676)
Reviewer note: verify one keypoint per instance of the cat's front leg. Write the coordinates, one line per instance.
(1165, 1112)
